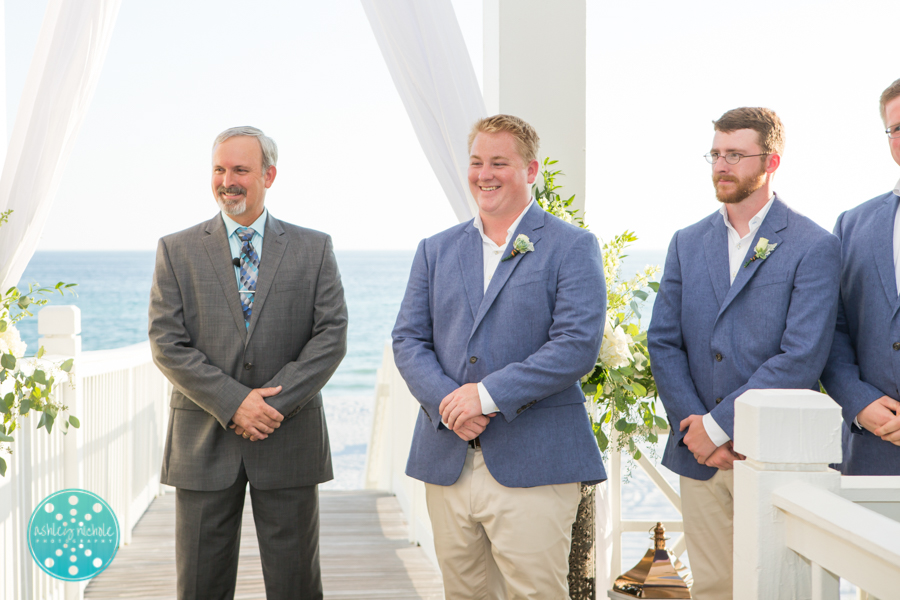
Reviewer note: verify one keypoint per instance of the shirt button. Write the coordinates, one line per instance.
(248, 366)
(896, 345)
(473, 360)
(496, 252)
(718, 357)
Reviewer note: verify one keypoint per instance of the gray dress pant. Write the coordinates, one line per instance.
(208, 536)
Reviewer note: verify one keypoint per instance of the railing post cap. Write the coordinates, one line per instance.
(59, 320)
(788, 426)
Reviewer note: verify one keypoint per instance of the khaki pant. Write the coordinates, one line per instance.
(496, 543)
(708, 511)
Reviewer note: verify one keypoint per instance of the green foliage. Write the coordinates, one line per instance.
(27, 383)
(548, 198)
(621, 387)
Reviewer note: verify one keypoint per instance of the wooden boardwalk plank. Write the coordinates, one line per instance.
(364, 554)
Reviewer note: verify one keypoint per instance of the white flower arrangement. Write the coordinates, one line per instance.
(11, 342)
(615, 352)
(620, 389)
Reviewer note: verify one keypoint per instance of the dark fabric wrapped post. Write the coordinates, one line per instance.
(582, 556)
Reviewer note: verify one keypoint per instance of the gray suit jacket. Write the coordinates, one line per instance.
(296, 339)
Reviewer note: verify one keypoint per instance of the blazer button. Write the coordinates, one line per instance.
(474, 359)
(718, 357)
(896, 345)
(248, 366)
(718, 400)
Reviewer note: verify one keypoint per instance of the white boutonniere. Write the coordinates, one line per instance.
(761, 252)
(520, 246)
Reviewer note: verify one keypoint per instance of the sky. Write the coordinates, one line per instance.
(310, 74)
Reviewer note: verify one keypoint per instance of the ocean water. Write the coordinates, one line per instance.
(113, 295)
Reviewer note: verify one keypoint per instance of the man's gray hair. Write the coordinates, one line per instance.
(266, 144)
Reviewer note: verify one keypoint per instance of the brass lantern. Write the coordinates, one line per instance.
(658, 575)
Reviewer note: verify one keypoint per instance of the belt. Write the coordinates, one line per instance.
(476, 443)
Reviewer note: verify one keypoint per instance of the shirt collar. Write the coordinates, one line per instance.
(259, 225)
(479, 225)
(757, 219)
(897, 188)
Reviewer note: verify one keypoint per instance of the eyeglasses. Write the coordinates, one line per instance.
(893, 131)
(732, 158)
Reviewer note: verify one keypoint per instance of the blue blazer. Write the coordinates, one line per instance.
(710, 341)
(865, 362)
(529, 339)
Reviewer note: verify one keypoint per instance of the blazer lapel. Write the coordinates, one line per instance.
(883, 250)
(774, 222)
(715, 245)
(471, 265)
(274, 246)
(531, 224)
(216, 243)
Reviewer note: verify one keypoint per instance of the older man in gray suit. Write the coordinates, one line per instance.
(248, 322)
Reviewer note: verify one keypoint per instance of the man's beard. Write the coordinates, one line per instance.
(744, 188)
(234, 208)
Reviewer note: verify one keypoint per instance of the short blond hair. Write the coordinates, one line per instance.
(527, 141)
(763, 121)
(892, 91)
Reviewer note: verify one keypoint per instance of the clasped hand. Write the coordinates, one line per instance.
(703, 448)
(460, 411)
(882, 418)
(255, 416)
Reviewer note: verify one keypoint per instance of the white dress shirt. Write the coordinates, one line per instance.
(737, 256)
(493, 254)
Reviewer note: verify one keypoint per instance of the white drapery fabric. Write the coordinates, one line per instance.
(427, 57)
(64, 71)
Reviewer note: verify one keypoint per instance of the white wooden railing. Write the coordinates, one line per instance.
(121, 400)
(799, 526)
(393, 422)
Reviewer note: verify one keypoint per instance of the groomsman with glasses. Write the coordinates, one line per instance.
(863, 370)
(747, 301)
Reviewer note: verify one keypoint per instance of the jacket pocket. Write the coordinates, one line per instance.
(763, 279)
(534, 277)
(296, 286)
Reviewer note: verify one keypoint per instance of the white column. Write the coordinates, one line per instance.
(788, 436)
(534, 68)
(60, 331)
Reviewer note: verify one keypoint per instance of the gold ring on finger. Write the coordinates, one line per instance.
(246, 435)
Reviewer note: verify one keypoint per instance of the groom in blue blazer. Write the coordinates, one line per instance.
(747, 300)
(502, 316)
(863, 370)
